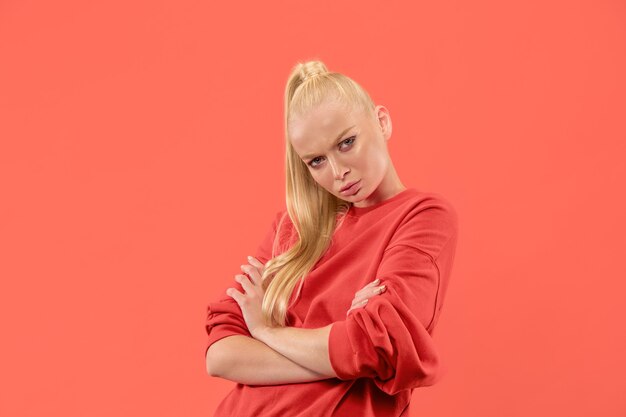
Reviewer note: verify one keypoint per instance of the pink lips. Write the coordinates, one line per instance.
(350, 189)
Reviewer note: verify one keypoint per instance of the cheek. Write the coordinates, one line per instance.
(318, 176)
(323, 178)
(374, 162)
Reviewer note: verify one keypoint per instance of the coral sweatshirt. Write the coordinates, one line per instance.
(380, 352)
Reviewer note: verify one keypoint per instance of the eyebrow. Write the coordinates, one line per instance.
(338, 137)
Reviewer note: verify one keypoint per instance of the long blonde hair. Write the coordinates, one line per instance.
(314, 212)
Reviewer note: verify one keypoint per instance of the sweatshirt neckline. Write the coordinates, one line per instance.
(359, 211)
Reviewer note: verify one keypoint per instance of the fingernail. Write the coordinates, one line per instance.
(250, 258)
(376, 281)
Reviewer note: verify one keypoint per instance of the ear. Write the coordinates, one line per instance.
(383, 119)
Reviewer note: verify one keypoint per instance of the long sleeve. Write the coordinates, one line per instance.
(390, 339)
(224, 316)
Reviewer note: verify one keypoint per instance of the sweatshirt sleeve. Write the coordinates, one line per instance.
(224, 317)
(390, 339)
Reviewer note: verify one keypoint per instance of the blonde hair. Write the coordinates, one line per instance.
(314, 212)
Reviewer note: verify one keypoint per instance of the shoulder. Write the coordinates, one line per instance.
(282, 221)
(428, 206)
(433, 206)
(284, 230)
(280, 218)
(427, 221)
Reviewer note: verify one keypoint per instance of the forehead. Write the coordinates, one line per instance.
(319, 127)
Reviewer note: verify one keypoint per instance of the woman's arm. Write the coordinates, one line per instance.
(248, 361)
(309, 348)
(306, 347)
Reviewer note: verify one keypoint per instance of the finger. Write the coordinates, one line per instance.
(255, 262)
(233, 293)
(254, 274)
(371, 291)
(367, 291)
(362, 295)
(361, 304)
(368, 286)
(259, 269)
(245, 283)
(358, 300)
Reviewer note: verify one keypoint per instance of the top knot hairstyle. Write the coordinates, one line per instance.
(311, 69)
(311, 82)
(314, 212)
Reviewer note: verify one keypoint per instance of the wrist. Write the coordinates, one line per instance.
(261, 332)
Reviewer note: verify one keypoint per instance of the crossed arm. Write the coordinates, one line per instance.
(279, 355)
(397, 352)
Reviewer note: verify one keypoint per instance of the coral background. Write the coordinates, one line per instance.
(141, 160)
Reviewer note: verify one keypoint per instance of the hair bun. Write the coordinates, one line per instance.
(310, 69)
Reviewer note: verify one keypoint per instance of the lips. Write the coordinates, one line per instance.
(348, 186)
(351, 189)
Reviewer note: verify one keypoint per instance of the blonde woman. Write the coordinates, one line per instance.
(334, 314)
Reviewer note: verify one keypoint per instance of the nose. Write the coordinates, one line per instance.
(339, 171)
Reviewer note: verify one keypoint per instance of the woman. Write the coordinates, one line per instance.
(308, 331)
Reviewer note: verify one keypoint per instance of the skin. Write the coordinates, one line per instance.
(288, 354)
(337, 163)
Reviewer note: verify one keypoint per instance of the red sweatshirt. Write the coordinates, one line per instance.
(380, 352)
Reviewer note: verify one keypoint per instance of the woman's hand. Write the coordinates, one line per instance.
(361, 296)
(250, 302)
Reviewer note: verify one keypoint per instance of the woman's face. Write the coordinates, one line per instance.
(340, 147)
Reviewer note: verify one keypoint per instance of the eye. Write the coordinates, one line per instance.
(348, 141)
(351, 139)
(313, 160)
